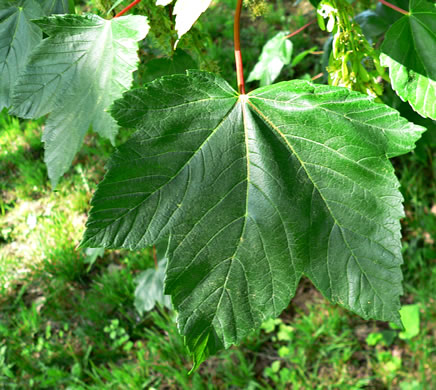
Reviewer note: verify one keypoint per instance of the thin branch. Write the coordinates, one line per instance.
(131, 5)
(155, 257)
(394, 7)
(300, 29)
(238, 55)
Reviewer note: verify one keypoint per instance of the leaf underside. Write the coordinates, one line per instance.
(74, 76)
(149, 290)
(187, 12)
(276, 53)
(408, 50)
(18, 35)
(255, 191)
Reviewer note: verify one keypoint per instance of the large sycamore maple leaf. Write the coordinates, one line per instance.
(255, 191)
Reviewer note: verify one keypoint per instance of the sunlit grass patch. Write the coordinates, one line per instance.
(37, 225)
(22, 171)
(36, 231)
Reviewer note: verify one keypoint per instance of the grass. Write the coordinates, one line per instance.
(67, 325)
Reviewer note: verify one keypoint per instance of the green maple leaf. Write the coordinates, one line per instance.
(186, 12)
(254, 191)
(149, 289)
(75, 75)
(18, 35)
(158, 67)
(375, 23)
(276, 53)
(150, 283)
(408, 50)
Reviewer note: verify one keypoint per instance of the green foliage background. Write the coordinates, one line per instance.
(67, 324)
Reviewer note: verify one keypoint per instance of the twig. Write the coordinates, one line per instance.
(394, 7)
(131, 5)
(155, 257)
(300, 29)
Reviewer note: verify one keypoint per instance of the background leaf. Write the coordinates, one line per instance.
(187, 12)
(163, 2)
(411, 322)
(254, 191)
(376, 22)
(74, 75)
(58, 7)
(18, 36)
(150, 284)
(91, 255)
(302, 55)
(372, 24)
(408, 51)
(276, 53)
(158, 67)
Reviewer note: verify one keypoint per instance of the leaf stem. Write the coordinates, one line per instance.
(394, 7)
(131, 5)
(238, 55)
(300, 29)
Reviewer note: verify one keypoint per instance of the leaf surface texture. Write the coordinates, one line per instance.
(254, 191)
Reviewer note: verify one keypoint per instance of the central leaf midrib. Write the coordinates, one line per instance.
(84, 98)
(107, 45)
(231, 258)
(247, 154)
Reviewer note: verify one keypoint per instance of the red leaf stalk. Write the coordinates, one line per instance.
(394, 7)
(155, 257)
(130, 6)
(300, 29)
(238, 55)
